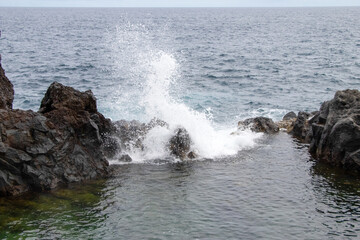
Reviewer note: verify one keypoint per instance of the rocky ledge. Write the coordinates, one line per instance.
(333, 132)
(66, 141)
(60, 144)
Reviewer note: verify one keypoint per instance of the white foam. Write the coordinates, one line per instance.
(207, 141)
(155, 75)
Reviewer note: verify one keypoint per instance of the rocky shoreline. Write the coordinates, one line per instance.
(61, 143)
(333, 132)
(68, 140)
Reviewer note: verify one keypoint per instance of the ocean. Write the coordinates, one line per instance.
(204, 69)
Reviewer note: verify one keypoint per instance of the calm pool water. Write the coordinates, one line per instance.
(275, 191)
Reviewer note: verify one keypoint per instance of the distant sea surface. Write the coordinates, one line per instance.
(205, 69)
(236, 62)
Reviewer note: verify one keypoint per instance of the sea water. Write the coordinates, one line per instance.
(202, 69)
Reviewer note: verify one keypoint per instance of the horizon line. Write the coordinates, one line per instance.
(315, 6)
(180, 6)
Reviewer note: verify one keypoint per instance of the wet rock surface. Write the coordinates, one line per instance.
(131, 135)
(301, 127)
(288, 121)
(60, 144)
(6, 91)
(335, 131)
(289, 116)
(259, 124)
(68, 140)
(180, 143)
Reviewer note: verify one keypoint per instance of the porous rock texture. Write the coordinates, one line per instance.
(259, 124)
(6, 91)
(335, 131)
(60, 144)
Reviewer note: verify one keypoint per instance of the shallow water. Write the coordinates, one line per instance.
(275, 191)
(204, 69)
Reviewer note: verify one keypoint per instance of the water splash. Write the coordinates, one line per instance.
(155, 76)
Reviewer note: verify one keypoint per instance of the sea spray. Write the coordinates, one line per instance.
(207, 142)
(152, 87)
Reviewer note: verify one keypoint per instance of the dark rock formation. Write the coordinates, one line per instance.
(287, 122)
(68, 108)
(132, 133)
(6, 91)
(180, 143)
(301, 127)
(336, 131)
(192, 155)
(62, 143)
(125, 158)
(289, 116)
(259, 124)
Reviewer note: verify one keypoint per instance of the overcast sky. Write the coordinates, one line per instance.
(176, 3)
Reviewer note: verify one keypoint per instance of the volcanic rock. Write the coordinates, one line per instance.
(259, 124)
(132, 133)
(301, 126)
(125, 158)
(180, 143)
(288, 121)
(60, 144)
(6, 91)
(336, 131)
(289, 116)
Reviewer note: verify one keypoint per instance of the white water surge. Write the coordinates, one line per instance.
(155, 75)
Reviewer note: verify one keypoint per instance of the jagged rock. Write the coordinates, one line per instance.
(125, 158)
(301, 127)
(62, 143)
(336, 131)
(155, 122)
(289, 116)
(59, 96)
(66, 107)
(259, 124)
(192, 155)
(111, 145)
(287, 122)
(132, 133)
(6, 91)
(180, 143)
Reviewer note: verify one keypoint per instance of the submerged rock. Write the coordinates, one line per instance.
(335, 131)
(259, 124)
